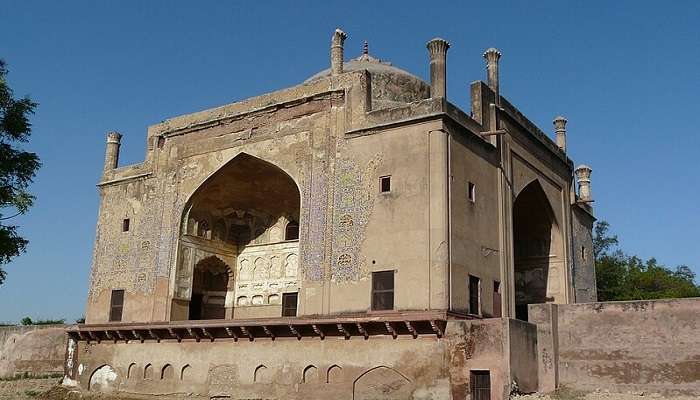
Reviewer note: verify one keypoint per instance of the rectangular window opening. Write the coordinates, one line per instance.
(383, 290)
(481, 385)
(125, 225)
(116, 306)
(474, 295)
(472, 192)
(289, 304)
(497, 299)
(385, 184)
(583, 253)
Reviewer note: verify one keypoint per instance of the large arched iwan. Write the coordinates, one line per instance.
(538, 249)
(245, 204)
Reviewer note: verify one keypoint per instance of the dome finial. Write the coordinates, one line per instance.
(365, 48)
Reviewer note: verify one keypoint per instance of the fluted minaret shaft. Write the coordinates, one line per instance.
(492, 57)
(437, 49)
(583, 175)
(560, 131)
(112, 152)
(337, 51)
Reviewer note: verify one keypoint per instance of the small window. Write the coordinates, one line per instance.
(474, 296)
(496, 299)
(583, 253)
(125, 225)
(292, 231)
(472, 192)
(116, 306)
(481, 385)
(383, 290)
(289, 304)
(385, 184)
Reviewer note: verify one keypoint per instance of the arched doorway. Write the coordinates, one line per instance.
(245, 216)
(210, 285)
(538, 249)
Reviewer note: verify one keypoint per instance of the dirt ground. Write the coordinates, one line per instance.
(568, 394)
(48, 389)
(26, 388)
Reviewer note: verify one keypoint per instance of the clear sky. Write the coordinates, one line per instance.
(626, 74)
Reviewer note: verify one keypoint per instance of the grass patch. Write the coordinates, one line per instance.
(29, 375)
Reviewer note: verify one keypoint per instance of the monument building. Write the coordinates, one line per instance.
(354, 236)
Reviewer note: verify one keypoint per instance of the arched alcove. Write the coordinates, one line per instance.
(185, 372)
(211, 281)
(261, 375)
(310, 374)
(167, 372)
(103, 379)
(148, 371)
(241, 214)
(334, 374)
(130, 372)
(538, 249)
(382, 382)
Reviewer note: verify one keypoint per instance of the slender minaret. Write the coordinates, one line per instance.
(560, 130)
(337, 51)
(437, 49)
(112, 153)
(492, 57)
(583, 175)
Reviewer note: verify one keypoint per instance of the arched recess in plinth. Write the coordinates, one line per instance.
(382, 382)
(240, 216)
(104, 379)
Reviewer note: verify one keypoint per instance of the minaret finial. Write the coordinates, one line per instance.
(365, 48)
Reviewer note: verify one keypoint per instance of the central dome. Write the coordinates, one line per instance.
(367, 62)
(391, 86)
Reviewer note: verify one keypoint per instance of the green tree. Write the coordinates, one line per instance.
(603, 242)
(17, 168)
(623, 277)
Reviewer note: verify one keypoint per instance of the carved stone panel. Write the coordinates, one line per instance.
(265, 272)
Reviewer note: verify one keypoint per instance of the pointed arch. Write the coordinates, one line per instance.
(310, 374)
(538, 249)
(130, 371)
(185, 372)
(260, 374)
(242, 201)
(240, 168)
(148, 371)
(103, 379)
(381, 382)
(167, 372)
(211, 279)
(333, 374)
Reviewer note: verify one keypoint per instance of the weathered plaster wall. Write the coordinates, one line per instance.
(373, 231)
(523, 355)
(35, 350)
(474, 241)
(652, 346)
(583, 257)
(380, 367)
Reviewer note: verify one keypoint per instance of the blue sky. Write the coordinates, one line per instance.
(626, 74)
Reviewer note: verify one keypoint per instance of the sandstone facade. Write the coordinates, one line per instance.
(360, 205)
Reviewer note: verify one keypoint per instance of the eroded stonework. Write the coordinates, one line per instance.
(311, 243)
